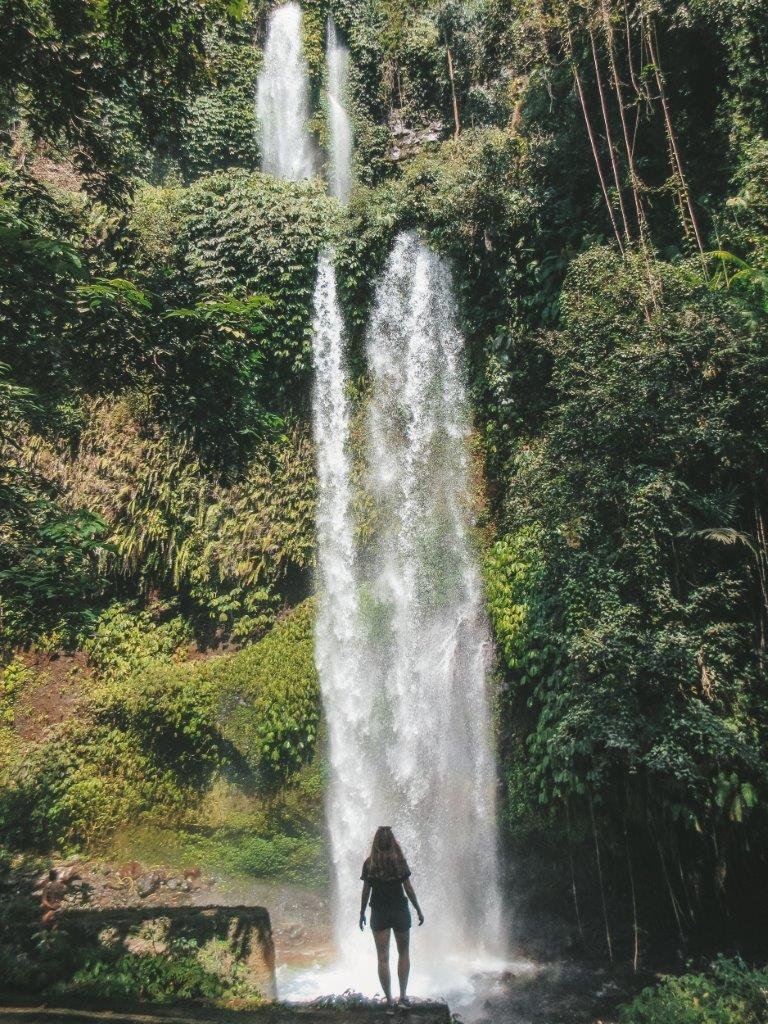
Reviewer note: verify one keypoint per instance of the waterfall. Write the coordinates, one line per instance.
(338, 640)
(282, 103)
(337, 64)
(402, 638)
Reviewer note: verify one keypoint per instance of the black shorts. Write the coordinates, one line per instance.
(397, 917)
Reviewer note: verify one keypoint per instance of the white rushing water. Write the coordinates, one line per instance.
(282, 99)
(430, 643)
(402, 638)
(338, 641)
(340, 129)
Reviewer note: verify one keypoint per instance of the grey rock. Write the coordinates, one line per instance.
(146, 885)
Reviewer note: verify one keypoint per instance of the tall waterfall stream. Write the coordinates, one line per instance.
(282, 99)
(402, 643)
(340, 164)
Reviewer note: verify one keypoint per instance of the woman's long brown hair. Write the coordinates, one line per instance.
(386, 860)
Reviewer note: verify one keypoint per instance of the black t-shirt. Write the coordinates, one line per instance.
(385, 892)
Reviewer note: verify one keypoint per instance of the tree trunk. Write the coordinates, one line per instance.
(634, 177)
(454, 100)
(593, 144)
(608, 941)
(573, 872)
(609, 138)
(635, 926)
(677, 163)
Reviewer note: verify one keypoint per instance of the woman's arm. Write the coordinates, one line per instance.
(412, 897)
(364, 903)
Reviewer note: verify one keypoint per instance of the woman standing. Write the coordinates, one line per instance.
(385, 882)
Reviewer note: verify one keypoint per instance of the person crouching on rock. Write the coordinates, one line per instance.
(386, 883)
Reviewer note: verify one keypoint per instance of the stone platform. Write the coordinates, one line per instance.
(275, 1013)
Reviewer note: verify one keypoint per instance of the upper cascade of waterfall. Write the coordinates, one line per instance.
(282, 99)
(340, 154)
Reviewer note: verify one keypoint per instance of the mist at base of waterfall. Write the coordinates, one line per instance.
(458, 980)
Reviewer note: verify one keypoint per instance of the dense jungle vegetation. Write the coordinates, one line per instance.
(597, 172)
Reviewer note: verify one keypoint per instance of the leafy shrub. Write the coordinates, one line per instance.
(141, 747)
(728, 993)
(13, 678)
(146, 746)
(250, 234)
(155, 218)
(236, 852)
(154, 977)
(171, 714)
(220, 128)
(48, 552)
(270, 698)
(511, 568)
(77, 787)
(125, 642)
(227, 549)
(276, 857)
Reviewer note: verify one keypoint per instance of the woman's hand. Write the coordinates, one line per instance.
(362, 920)
(421, 917)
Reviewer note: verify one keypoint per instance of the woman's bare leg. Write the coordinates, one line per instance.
(403, 960)
(382, 951)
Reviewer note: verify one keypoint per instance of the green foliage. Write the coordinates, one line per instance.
(40, 268)
(729, 993)
(270, 699)
(48, 554)
(141, 747)
(220, 128)
(152, 977)
(126, 642)
(109, 78)
(635, 678)
(157, 388)
(226, 550)
(155, 218)
(511, 569)
(736, 274)
(170, 712)
(80, 786)
(148, 742)
(13, 678)
(177, 970)
(250, 234)
(235, 852)
(236, 830)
